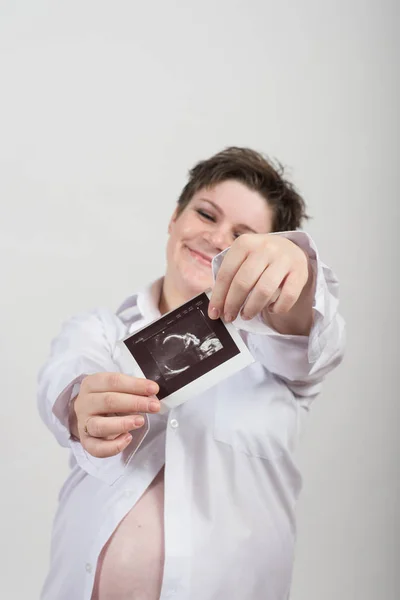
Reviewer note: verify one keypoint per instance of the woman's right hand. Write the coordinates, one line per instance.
(107, 408)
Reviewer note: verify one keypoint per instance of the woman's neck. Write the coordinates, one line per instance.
(171, 297)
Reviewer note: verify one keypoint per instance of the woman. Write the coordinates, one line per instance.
(197, 504)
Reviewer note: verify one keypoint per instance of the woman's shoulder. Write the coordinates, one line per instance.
(113, 324)
(98, 321)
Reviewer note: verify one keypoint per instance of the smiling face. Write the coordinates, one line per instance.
(211, 222)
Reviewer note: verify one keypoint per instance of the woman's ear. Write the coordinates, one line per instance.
(173, 219)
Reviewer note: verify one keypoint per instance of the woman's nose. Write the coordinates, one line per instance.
(220, 238)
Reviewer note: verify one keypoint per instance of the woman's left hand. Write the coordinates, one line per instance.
(271, 267)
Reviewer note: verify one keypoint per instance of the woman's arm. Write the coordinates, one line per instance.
(85, 346)
(302, 344)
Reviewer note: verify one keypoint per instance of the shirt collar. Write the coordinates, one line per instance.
(143, 304)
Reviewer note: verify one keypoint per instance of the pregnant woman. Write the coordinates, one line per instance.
(199, 503)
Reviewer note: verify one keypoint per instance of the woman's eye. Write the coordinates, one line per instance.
(236, 235)
(205, 215)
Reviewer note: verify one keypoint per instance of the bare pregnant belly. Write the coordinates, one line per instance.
(130, 566)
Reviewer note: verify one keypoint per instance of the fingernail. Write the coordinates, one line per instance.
(127, 438)
(154, 406)
(229, 318)
(214, 313)
(246, 317)
(139, 421)
(152, 388)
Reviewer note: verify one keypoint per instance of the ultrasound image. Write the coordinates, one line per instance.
(183, 344)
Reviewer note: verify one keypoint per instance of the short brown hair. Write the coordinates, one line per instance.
(258, 173)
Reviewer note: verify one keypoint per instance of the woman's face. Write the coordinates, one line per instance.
(211, 222)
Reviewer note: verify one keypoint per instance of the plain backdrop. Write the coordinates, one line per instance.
(104, 106)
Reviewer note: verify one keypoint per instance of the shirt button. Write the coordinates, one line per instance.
(174, 423)
(88, 567)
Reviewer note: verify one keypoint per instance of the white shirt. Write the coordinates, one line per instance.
(231, 483)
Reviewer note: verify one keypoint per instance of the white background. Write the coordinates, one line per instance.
(104, 106)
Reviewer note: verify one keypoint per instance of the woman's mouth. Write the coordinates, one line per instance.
(200, 257)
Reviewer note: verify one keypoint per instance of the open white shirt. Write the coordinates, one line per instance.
(231, 483)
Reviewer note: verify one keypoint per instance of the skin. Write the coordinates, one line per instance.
(272, 268)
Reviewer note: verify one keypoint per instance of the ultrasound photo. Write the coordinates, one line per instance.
(185, 346)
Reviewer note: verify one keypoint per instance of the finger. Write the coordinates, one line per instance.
(114, 402)
(229, 267)
(103, 427)
(105, 448)
(290, 293)
(119, 382)
(243, 283)
(265, 290)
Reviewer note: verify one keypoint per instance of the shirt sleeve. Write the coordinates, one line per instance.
(87, 344)
(302, 361)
